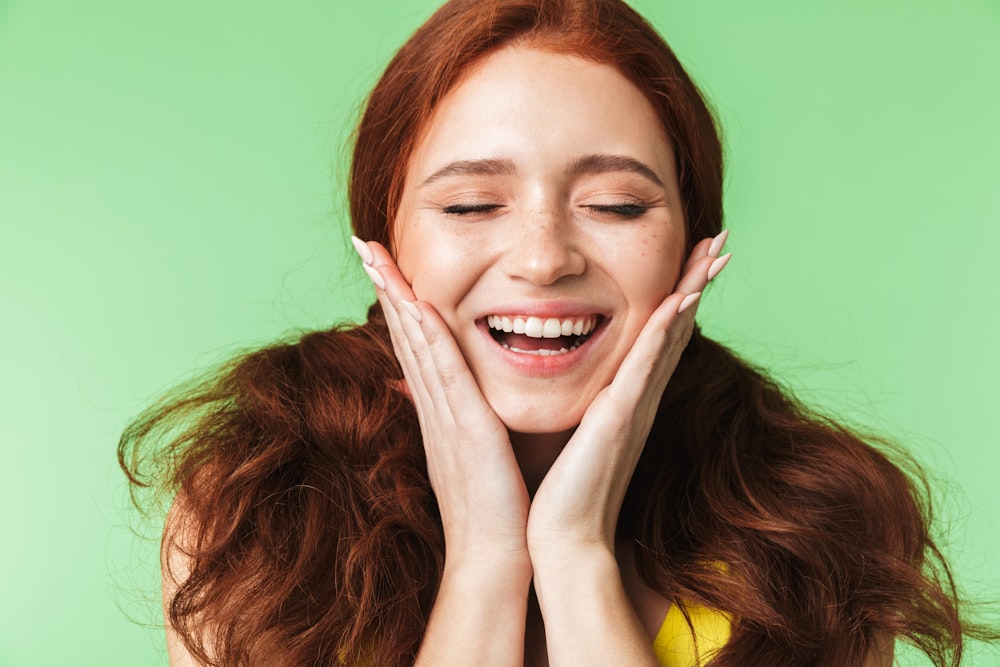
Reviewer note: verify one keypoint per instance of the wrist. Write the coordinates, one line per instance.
(487, 587)
(561, 565)
(562, 546)
(496, 568)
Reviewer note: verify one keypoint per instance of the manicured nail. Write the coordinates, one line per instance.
(718, 265)
(363, 250)
(718, 243)
(689, 301)
(375, 276)
(412, 309)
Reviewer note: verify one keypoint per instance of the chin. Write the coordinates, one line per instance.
(539, 419)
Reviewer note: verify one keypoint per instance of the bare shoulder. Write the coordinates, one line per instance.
(882, 652)
(175, 566)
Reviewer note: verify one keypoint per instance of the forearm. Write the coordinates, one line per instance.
(589, 619)
(478, 617)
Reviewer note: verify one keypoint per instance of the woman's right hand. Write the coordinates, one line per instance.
(473, 472)
(479, 611)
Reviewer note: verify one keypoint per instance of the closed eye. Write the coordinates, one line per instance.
(626, 211)
(469, 209)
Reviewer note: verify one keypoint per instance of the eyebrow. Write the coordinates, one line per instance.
(600, 163)
(484, 167)
(596, 163)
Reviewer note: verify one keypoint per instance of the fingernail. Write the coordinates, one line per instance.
(718, 265)
(375, 276)
(412, 309)
(363, 250)
(689, 301)
(718, 243)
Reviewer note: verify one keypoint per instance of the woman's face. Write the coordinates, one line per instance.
(542, 198)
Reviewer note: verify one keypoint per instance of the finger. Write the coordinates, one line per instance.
(442, 367)
(707, 247)
(404, 354)
(718, 243)
(379, 267)
(648, 366)
(653, 343)
(669, 327)
(701, 272)
(396, 286)
(423, 338)
(695, 278)
(700, 251)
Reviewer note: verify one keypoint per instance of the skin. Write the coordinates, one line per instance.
(529, 459)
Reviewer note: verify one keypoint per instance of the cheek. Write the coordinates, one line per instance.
(439, 267)
(417, 255)
(651, 265)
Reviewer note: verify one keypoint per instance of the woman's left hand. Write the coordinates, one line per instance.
(589, 617)
(578, 501)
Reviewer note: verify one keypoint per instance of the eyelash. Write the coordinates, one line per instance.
(627, 211)
(470, 209)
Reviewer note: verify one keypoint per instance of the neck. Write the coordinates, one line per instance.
(535, 453)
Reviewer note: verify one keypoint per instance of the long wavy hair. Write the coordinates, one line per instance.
(309, 527)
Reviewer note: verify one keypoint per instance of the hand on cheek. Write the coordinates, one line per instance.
(472, 469)
(579, 499)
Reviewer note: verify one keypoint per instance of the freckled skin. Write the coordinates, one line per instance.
(545, 243)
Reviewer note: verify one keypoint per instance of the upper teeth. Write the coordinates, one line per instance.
(537, 327)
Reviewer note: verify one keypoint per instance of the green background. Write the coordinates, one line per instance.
(171, 191)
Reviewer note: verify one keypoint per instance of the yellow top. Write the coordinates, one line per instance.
(676, 645)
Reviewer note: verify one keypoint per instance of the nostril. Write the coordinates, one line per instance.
(543, 263)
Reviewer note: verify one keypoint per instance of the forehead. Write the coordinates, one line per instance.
(529, 104)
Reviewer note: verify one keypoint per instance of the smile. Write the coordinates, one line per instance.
(541, 336)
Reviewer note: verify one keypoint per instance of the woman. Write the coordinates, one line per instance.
(530, 453)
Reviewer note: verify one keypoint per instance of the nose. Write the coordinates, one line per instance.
(543, 250)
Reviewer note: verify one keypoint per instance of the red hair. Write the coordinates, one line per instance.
(309, 523)
(449, 44)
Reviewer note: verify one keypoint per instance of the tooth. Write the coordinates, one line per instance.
(491, 321)
(539, 353)
(578, 327)
(589, 326)
(533, 327)
(552, 328)
(567, 328)
(519, 325)
(505, 323)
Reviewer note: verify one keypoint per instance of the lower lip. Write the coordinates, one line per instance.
(539, 365)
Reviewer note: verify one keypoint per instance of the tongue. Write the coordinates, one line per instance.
(522, 342)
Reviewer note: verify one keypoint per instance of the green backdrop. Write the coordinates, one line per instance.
(171, 190)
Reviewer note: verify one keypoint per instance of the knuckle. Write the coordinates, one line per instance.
(421, 356)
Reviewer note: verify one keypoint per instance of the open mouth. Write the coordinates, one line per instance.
(542, 336)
